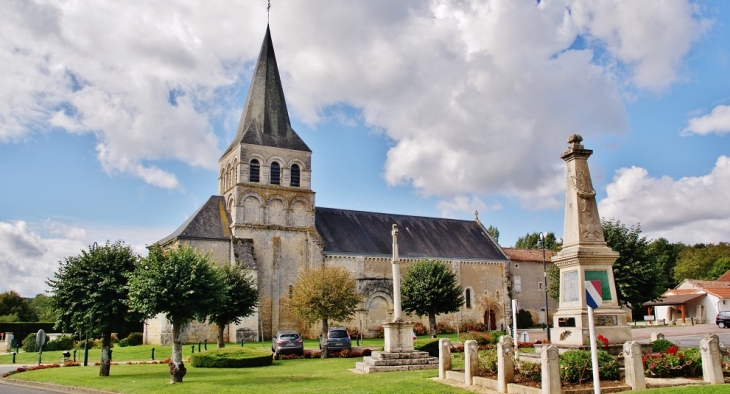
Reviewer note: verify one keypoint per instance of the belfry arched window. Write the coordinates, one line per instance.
(253, 171)
(275, 173)
(467, 298)
(295, 175)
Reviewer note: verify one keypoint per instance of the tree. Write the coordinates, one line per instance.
(494, 233)
(324, 293)
(697, 261)
(429, 287)
(43, 306)
(181, 283)
(14, 308)
(637, 276)
(241, 297)
(721, 266)
(553, 273)
(532, 241)
(89, 293)
(666, 255)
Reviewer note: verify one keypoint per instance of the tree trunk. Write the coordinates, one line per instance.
(432, 324)
(323, 341)
(106, 343)
(177, 368)
(221, 342)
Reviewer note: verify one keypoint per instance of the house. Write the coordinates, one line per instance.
(693, 300)
(528, 281)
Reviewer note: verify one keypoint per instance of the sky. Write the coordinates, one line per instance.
(113, 115)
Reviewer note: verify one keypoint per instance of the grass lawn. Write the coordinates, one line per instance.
(284, 376)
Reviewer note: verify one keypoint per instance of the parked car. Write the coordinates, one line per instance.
(723, 319)
(337, 339)
(287, 342)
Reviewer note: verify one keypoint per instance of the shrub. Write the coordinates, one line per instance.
(133, 339)
(444, 328)
(472, 325)
(529, 371)
(482, 338)
(674, 362)
(430, 345)
(231, 358)
(524, 319)
(488, 361)
(353, 332)
(496, 335)
(660, 345)
(420, 329)
(64, 342)
(367, 352)
(29, 344)
(575, 366)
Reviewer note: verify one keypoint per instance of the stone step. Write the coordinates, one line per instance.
(366, 368)
(392, 362)
(379, 355)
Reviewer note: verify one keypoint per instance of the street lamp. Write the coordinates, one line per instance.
(544, 277)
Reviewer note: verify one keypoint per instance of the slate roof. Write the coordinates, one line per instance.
(211, 221)
(369, 233)
(265, 119)
(533, 255)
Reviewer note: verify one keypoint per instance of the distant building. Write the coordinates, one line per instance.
(528, 284)
(265, 218)
(700, 300)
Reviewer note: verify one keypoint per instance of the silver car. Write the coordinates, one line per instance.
(287, 342)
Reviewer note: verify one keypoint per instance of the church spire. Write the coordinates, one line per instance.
(265, 119)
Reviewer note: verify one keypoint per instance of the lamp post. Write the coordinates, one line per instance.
(544, 277)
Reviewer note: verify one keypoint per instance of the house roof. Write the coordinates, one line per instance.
(677, 299)
(720, 293)
(210, 221)
(528, 254)
(708, 284)
(725, 277)
(265, 119)
(369, 233)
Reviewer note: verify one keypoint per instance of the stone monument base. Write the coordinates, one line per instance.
(398, 354)
(398, 337)
(571, 329)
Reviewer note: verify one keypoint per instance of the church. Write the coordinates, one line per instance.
(265, 218)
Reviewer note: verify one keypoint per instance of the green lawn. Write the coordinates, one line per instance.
(284, 376)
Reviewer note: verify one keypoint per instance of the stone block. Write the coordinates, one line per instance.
(550, 364)
(471, 361)
(633, 366)
(505, 363)
(444, 357)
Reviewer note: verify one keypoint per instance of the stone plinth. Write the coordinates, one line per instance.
(401, 361)
(398, 337)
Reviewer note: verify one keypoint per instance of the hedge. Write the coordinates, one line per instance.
(231, 358)
(430, 345)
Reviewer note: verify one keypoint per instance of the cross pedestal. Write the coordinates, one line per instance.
(398, 337)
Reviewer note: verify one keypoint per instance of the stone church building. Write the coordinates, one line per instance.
(264, 217)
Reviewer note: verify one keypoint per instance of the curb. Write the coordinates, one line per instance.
(51, 387)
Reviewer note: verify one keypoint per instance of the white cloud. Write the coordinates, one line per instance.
(476, 96)
(29, 255)
(690, 209)
(464, 204)
(718, 121)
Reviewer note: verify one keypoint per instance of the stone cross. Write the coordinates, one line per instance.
(396, 277)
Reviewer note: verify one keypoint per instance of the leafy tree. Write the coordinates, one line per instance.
(181, 283)
(494, 233)
(429, 287)
(637, 276)
(324, 293)
(241, 296)
(43, 305)
(532, 241)
(90, 293)
(666, 255)
(553, 273)
(697, 261)
(13, 307)
(721, 266)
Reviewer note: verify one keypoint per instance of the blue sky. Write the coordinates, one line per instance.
(113, 116)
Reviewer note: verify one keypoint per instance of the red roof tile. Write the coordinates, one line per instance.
(528, 254)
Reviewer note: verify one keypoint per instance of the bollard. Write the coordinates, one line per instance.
(692, 319)
(665, 322)
(153, 354)
(86, 350)
(241, 342)
(13, 358)
(74, 355)
(634, 323)
(17, 348)
(192, 349)
(205, 344)
(198, 346)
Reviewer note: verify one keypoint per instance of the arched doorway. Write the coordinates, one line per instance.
(490, 319)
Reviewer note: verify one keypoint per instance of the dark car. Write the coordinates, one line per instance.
(723, 319)
(287, 342)
(337, 340)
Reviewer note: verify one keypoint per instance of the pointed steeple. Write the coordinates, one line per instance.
(265, 119)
